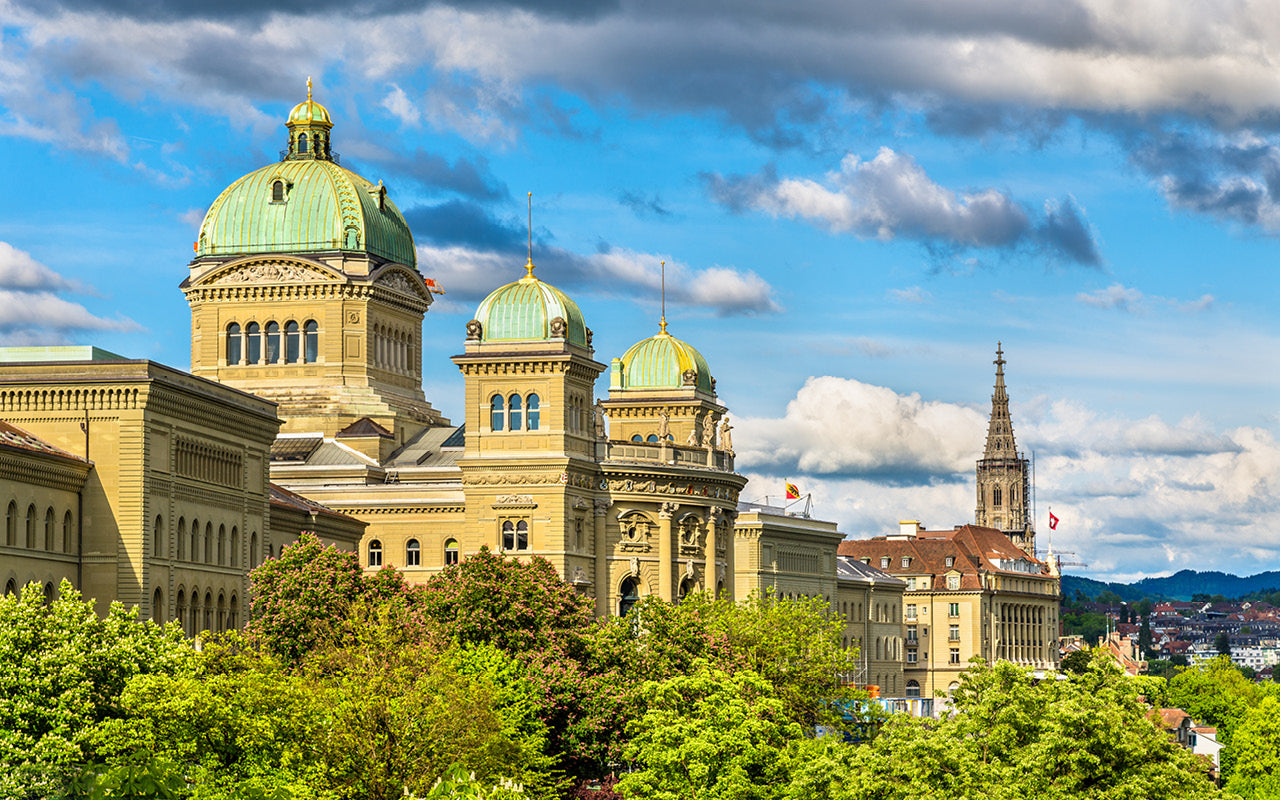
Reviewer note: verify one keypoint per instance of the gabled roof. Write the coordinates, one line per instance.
(972, 549)
(854, 570)
(364, 427)
(281, 496)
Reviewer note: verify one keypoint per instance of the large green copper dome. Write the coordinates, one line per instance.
(661, 362)
(528, 310)
(306, 203)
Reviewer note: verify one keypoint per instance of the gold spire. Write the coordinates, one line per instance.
(662, 323)
(529, 266)
(308, 88)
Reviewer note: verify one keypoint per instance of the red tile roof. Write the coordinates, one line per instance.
(14, 437)
(971, 548)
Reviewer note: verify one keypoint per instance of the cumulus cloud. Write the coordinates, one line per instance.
(31, 312)
(891, 196)
(911, 294)
(1118, 297)
(1125, 489)
(465, 248)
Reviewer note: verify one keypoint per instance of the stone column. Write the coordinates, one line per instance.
(709, 560)
(602, 563)
(665, 559)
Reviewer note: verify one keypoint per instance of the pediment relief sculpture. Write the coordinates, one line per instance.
(272, 272)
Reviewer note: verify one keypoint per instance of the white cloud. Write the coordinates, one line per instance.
(18, 270)
(911, 294)
(398, 104)
(30, 310)
(1118, 297)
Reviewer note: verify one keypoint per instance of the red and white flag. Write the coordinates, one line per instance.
(1053, 522)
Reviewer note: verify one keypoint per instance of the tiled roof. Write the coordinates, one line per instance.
(433, 447)
(971, 548)
(853, 569)
(14, 437)
(281, 496)
(364, 427)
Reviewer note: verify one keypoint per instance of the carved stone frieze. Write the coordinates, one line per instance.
(514, 501)
(399, 282)
(272, 272)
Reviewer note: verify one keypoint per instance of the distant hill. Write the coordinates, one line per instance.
(1178, 586)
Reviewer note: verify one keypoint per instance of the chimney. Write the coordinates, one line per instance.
(907, 529)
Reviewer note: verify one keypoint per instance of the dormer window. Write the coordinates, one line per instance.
(906, 562)
(951, 561)
(277, 192)
(884, 562)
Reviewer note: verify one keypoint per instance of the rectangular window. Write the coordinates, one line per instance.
(911, 656)
(911, 611)
(955, 655)
(953, 582)
(912, 636)
(954, 634)
(953, 610)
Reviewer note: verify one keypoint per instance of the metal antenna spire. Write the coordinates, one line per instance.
(662, 324)
(529, 266)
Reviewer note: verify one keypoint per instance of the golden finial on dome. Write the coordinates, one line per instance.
(662, 322)
(308, 88)
(529, 266)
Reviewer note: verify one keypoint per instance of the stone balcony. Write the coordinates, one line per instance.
(669, 453)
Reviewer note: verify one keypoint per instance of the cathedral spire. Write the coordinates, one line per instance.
(1000, 443)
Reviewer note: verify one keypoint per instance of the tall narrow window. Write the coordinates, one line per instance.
(291, 342)
(995, 497)
(508, 535)
(312, 332)
(195, 542)
(277, 192)
(180, 536)
(253, 549)
(50, 530)
(157, 538)
(302, 143)
(253, 342)
(31, 527)
(629, 596)
(531, 408)
(68, 540)
(157, 607)
(496, 422)
(375, 553)
(413, 554)
(513, 411)
(273, 343)
(233, 343)
(222, 544)
(451, 552)
(208, 543)
(235, 546)
(522, 535)
(11, 525)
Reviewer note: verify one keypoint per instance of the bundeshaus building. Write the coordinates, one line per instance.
(304, 410)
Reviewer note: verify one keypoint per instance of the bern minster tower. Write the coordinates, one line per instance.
(1004, 481)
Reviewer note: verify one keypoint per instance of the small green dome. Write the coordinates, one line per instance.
(309, 112)
(318, 205)
(661, 361)
(528, 310)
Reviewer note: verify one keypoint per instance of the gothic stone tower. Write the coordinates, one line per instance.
(1004, 474)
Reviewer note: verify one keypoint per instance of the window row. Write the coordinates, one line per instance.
(514, 413)
(221, 548)
(271, 344)
(196, 615)
(11, 588)
(412, 553)
(651, 438)
(39, 531)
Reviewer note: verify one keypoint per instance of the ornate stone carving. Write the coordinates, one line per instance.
(635, 566)
(474, 329)
(353, 317)
(601, 507)
(590, 334)
(690, 531)
(558, 327)
(689, 377)
(511, 500)
(599, 418)
(726, 439)
(708, 433)
(579, 575)
(669, 508)
(397, 281)
(664, 424)
(272, 273)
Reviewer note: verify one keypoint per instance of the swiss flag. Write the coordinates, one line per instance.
(1053, 522)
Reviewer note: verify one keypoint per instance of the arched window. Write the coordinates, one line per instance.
(50, 531)
(635, 437)
(233, 615)
(222, 612)
(522, 535)
(686, 586)
(496, 407)
(157, 538)
(253, 549)
(532, 404)
(413, 554)
(208, 543)
(652, 438)
(195, 543)
(11, 525)
(157, 607)
(208, 611)
(31, 527)
(629, 595)
(11, 589)
(222, 544)
(302, 143)
(375, 553)
(253, 343)
(277, 192)
(273, 342)
(48, 593)
(292, 342)
(68, 528)
(451, 552)
(995, 497)
(311, 351)
(513, 412)
(508, 535)
(235, 546)
(180, 536)
(233, 343)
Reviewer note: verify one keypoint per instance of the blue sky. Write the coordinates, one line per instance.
(856, 201)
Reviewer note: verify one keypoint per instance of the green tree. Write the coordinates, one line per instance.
(62, 670)
(1222, 643)
(1214, 693)
(1077, 661)
(1256, 746)
(1144, 636)
(709, 734)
